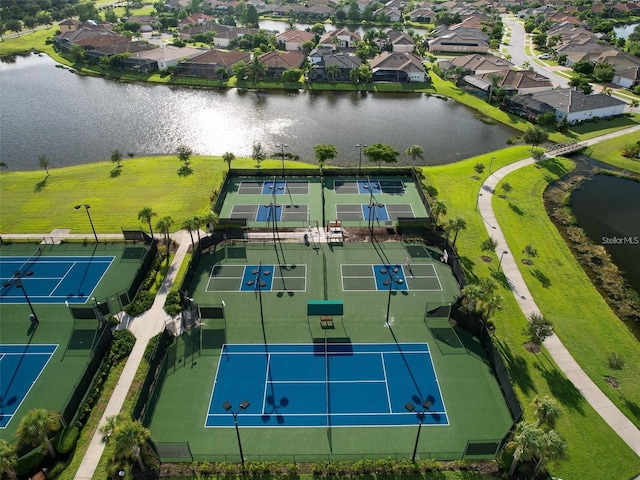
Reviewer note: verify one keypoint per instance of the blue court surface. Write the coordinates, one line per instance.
(257, 277)
(269, 213)
(390, 277)
(374, 212)
(20, 367)
(344, 385)
(365, 186)
(276, 188)
(51, 279)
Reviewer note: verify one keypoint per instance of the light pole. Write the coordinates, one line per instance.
(229, 408)
(17, 275)
(491, 163)
(87, 207)
(360, 146)
(426, 404)
(477, 200)
(500, 262)
(281, 146)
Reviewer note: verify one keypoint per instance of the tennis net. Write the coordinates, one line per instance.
(30, 261)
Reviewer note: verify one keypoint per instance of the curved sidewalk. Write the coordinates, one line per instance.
(598, 400)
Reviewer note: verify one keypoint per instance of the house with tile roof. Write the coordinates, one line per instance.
(211, 63)
(278, 62)
(294, 39)
(397, 67)
(338, 64)
(342, 37)
(400, 41)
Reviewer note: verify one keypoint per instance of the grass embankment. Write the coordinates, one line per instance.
(581, 317)
(609, 152)
(32, 202)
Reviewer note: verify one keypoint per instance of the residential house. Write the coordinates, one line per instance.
(392, 14)
(278, 62)
(476, 64)
(294, 39)
(197, 18)
(567, 103)
(190, 32)
(397, 67)
(210, 63)
(456, 43)
(335, 66)
(167, 55)
(223, 38)
(341, 37)
(69, 25)
(125, 46)
(318, 12)
(422, 15)
(89, 38)
(400, 41)
(627, 77)
(146, 22)
(512, 82)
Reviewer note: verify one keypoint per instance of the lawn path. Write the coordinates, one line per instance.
(596, 398)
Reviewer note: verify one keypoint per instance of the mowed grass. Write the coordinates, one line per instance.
(611, 152)
(32, 202)
(583, 320)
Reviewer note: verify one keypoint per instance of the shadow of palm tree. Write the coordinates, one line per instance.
(541, 277)
(554, 166)
(41, 185)
(516, 209)
(468, 264)
(518, 368)
(185, 171)
(116, 172)
(562, 389)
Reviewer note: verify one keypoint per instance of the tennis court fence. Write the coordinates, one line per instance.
(182, 452)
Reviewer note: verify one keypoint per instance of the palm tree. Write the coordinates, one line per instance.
(35, 428)
(256, 68)
(116, 157)
(8, 459)
(210, 220)
(145, 215)
(332, 72)
(164, 225)
(553, 447)
(547, 411)
(415, 151)
(495, 80)
(458, 224)
(128, 437)
(228, 157)
(528, 442)
(258, 153)
(192, 224)
(633, 104)
(438, 209)
(43, 161)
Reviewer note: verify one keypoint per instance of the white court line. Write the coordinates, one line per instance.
(266, 382)
(386, 382)
(61, 280)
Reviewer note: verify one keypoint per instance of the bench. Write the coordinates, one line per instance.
(326, 321)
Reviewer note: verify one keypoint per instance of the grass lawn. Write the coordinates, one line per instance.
(32, 202)
(583, 320)
(609, 152)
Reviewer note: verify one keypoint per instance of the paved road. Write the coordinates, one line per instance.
(596, 398)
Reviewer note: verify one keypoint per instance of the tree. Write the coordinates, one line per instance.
(438, 209)
(239, 70)
(228, 157)
(538, 329)
(318, 29)
(479, 168)
(128, 437)
(210, 220)
(258, 153)
(616, 362)
(35, 428)
(415, 152)
(380, 152)
(256, 68)
(547, 412)
(489, 245)
(8, 459)
(583, 67)
(116, 157)
(43, 161)
(553, 447)
(145, 215)
(527, 443)
(534, 136)
(332, 72)
(459, 223)
(191, 224)
(184, 154)
(77, 52)
(164, 225)
(530, 252)
(324, 153)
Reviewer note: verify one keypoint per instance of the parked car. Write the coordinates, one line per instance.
(544, 56)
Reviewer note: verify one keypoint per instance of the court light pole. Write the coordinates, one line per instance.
(500, 262)
(17, 277)
(229, 408)
(87, 207)
(360, 146)
(281, 146)
(477, 200)
(426, 404)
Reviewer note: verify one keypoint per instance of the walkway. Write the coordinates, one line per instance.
(144, 327)
(598, 400)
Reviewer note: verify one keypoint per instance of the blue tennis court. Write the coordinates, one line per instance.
(257, 277)
(51, 279)
(374, 212)
(326, 384)
(20, 367)
(269, 213)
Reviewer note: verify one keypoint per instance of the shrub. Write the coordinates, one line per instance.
(67, 440)
(123, 342)
(173, 304)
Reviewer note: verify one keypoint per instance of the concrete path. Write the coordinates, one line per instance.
(144, 327)
(598, 400)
